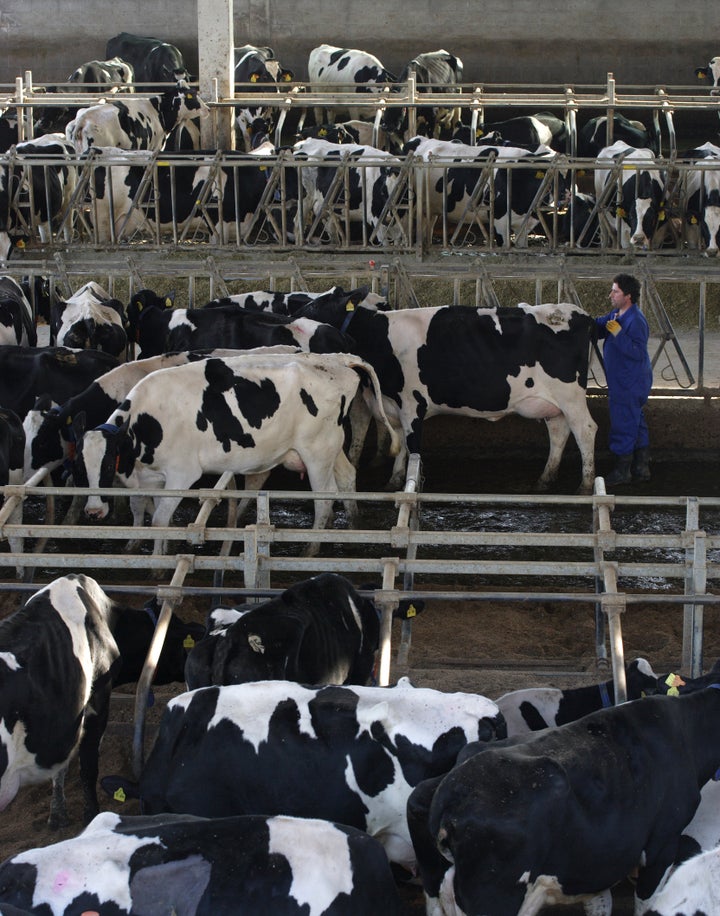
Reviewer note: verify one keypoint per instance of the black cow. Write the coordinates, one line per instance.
(28, 372)
(593, 136)
(435, 72)
(12, 447)
(565, 813)
(256, 69)
(154, 61)
(176, 863)
(17, 324)
(348, 754)
(8, 130)
(62, 653)
(89, 319)
(318, 631)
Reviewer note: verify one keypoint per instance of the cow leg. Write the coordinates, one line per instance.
(360, 417)
(252, 482)
(584, 429)
(95, 722)
(345, 477)
(397, 477)
(140, 506)
(558, 431)
(58, 809)
(321, 477)
(164, 509)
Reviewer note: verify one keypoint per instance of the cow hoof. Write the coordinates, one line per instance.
(58, 821)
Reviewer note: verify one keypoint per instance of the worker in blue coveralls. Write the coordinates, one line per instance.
(629, 378)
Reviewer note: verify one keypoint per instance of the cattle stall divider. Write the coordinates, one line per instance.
(406, 551)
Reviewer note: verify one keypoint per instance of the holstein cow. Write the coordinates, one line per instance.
(153, 61)
(41, 167)
(12, 446)
(702, 198)
(693, 889)
(256, 69)
(8, 129)
(61, 655)
(17, 324)
(177, 863)
(298, 303)
(162, 331)
(235, 750)
(318, 631)
(461, 177)
(187, 193)
(28, 372)
(540, 129)
(529, 360)
(593, 135)
(534, 708)
(135, 124)
(89, 319)
(244, 414)
(345, 70)
(372, 175)
(563, 814)
(711, 72)
(630, 189)
(435, 72)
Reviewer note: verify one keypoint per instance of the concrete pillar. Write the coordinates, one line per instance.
(216, 59)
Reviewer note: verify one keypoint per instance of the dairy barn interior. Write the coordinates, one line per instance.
(443, 537)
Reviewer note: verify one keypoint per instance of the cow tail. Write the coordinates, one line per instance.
(366, 371)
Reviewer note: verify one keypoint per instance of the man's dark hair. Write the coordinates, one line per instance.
(629, 285)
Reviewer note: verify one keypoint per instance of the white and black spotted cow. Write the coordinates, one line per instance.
(631, 192)
(136, 124)
(174, 863)
(529, 360)
(318, 631)
(17, 323)
(244, 414)
(596, 134)
(256, 68)
(235, 750)
(89, 319)
(336, 69)
(693, 889)
(711, 72)
(702, 198)
(563, 814)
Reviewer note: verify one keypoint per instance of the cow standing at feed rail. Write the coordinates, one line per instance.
(563, 814)
(593, 135)
(347, 70)
(435, 72)
(711, 72)
(633, 189)
(244, 414)
(701, 193)
(525, 131)
(235, 750)
(302, 304)
(62, 653)
(318, 631)
(26, 373)
(534, 708)
(153, 61)
(176, 863)
(41, 168)
(256, 69)
(528, 360)
(17, 323)
(135, 124)
(89, 319)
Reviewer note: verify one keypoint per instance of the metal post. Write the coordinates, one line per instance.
(216, 53)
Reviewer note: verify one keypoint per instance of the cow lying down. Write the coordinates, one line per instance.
(318, 631)
(186, 865)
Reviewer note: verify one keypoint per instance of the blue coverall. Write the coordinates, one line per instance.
(629, 378)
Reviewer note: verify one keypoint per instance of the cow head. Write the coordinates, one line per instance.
(99, 454)
(143, 300)
(44, 443)
(711, 72)
(179, 105)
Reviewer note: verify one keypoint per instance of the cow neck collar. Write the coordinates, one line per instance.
(604, 695)
(111, 428)
(349, 315)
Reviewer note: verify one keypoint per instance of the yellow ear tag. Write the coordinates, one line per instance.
(188, 642)
(322, 133)
(693, 220)
(620, 212)
(19, 243)
(539, 174)
(254, 78)
(349, 307)
(168, 303)
(139, 306)
(581, 173)
(119, 795)
(411, 612)
(68, 421)
(287, 78)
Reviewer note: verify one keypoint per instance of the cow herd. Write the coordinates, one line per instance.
(93, 172)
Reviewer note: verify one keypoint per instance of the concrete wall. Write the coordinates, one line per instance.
(500, 41)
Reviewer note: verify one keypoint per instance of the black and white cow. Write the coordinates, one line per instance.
(17, 324)
(693, 889)
(8, 129)
(175, 863)
(158, 330)
(702, 198)
(300, 303)
(540, 129)
(235, 750)
(318, 631)
(26, 373)
(59, 660)
(41, 168)
(593, 135)
(529, 360)
(256, 68)
(534, 708)
(563, 814)
(345, 70)
(435, 72)
(12, 446)
(372, 175)
(244, 414)
(136, 124)
(711, 72)
(633, 191)
(89, 319)
(459, 174)
(153, 61)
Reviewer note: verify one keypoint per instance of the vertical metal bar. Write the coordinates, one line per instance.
(700, 583)
(692, 523)
(701, 338)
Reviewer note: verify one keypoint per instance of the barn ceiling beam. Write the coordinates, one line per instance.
(216, 55)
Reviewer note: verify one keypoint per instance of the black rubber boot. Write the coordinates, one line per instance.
(640, 469)
(621, 473)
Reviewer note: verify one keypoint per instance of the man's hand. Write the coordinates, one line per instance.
(614, 327)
